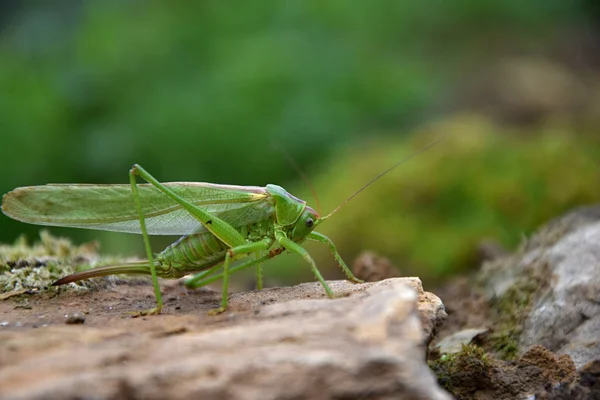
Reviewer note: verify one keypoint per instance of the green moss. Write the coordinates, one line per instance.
(25, 267)
(47, 247)
(464, 372)
(430, 214)
(508, 314)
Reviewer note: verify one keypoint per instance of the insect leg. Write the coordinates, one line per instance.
(301, 251)
(138, 205)
(231, 254)
(202, 279)
(191, 282)
(259, 275)
(221, 229)
(319, 237)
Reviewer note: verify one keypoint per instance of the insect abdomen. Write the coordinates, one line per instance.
(193, 251)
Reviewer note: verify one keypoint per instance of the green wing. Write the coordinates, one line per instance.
(111, 207)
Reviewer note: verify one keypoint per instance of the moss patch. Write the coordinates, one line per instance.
(508, 313)
(28, 267)
(465, 372)
(473, 373)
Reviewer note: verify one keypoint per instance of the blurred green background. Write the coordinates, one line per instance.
(207, 90)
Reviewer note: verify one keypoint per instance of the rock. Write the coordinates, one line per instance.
(75, 318)
(370, 267)
(566, 317)
(558, 270)
(454, 343)
(271, 345)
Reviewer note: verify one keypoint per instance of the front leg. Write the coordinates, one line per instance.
(319, 237)
(294, 247)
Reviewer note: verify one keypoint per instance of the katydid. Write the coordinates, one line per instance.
(219, 222)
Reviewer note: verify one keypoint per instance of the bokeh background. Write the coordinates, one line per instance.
(209, 90)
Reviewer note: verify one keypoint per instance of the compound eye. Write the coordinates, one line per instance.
(309, 222)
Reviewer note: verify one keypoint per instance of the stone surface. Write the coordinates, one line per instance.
(455, 342)
(283, 343)
(562, 263)
(566, 318)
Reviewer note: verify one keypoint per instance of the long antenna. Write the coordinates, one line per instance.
(304, 177)
(402, 161)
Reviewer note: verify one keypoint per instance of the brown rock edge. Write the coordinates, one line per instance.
(281, 343)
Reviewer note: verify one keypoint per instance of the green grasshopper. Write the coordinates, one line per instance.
(219, 222)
